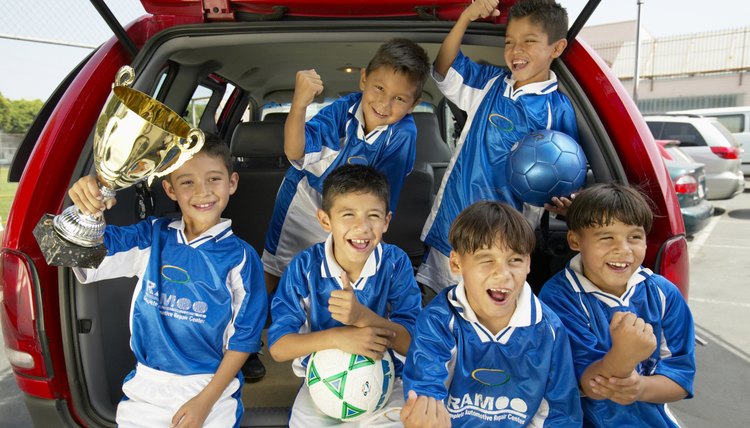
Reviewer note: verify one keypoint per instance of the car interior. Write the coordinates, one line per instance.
(246, 71)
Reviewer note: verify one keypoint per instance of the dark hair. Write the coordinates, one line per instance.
(350, 178)
(487, 223)
(603, 204)
(216, 148)
(548, 13)
(405, 57)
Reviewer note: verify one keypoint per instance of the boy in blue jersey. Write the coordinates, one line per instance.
(372, 127)
(487, 352)
(351, 292)
(630, 330)
(502, 105)
(199, 306)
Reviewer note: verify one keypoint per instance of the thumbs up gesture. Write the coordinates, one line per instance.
(344, 306)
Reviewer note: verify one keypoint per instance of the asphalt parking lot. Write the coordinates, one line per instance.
(719, 300)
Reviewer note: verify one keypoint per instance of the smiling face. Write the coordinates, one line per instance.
(493, 278)
(387, 96)
(357, 221)
(528, 53)
(610, 254)
(201, 187)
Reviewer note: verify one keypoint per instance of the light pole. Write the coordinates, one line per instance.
(637, 73)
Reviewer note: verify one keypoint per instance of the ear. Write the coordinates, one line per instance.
(387, 221)
(324, 220)
(234, 180)
(574, 241)
(455, 263)
(362, 78)
(168, 189)
(558, 47)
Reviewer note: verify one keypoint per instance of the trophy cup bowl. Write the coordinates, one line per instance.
(136, 138)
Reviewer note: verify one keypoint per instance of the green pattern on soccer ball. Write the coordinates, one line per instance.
(312, 376)
(348, 411)
(336, 384)
(357, 361)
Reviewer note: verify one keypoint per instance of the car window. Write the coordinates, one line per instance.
(725, 132)
(733, 122)
(678, 155)
(684, 132)
(197, 105)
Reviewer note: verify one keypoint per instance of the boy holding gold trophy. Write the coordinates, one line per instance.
(200, 305)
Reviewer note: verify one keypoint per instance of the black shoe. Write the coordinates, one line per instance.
(253, 370)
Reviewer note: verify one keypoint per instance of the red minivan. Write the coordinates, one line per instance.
(229, 66)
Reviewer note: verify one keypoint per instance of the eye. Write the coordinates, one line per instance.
(214, 179)
(400, 99)
(379, 88)
(186, 182)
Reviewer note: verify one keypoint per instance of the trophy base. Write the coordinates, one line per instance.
(59, 252)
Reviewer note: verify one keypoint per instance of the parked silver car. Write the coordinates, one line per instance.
(708, 142)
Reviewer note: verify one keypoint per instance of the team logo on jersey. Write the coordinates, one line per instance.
(175, 274)
(490, 377)
(488, 408)
(356, 160)
(502, 122)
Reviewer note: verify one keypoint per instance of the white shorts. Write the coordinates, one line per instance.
(300, 230)
(435, 271)
(305, 413)
(152, 397)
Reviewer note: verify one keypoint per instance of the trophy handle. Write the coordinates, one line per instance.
(125, 76)
(193, 142)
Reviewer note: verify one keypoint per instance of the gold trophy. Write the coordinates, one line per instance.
(137, 138)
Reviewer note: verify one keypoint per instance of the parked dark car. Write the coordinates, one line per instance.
(689, 180)
(225, 66)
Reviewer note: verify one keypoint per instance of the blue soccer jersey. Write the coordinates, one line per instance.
(193, 300)
(386, 286)
(333, 137)
(522, 376)
(498, 116)
(586, 312)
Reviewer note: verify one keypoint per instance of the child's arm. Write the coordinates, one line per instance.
(452, 43)
(633, 341)
(651, 389)
(371, 342)
(346, 309)
(195, 411)
(424, 412)
(308, 85)
(86, 196)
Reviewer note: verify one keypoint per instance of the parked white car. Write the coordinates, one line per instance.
(709, 142)
(737, 120)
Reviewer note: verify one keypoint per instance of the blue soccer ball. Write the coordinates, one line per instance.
(545, 164)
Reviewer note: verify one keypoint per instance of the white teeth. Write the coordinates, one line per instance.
(360, 241)
(618, 265)
(518, 61)
(499, 290)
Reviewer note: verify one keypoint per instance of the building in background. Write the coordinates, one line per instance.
(699, 70)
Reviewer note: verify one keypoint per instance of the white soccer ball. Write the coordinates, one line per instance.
(346, 386)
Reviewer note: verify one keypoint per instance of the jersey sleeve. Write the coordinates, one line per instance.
(465, 81)
(561, 392)
(432, 349)
(677, 345)
(565, 118)
(404, 297)
(398, 159)
(128, 250)
(572, 313)
(249, 303)
(323, 133)
(288, 314)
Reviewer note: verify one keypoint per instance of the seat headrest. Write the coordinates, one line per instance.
(430, 145)
(258, 139)
(278, 116)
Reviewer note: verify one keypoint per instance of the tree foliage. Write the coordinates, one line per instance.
(16, 116)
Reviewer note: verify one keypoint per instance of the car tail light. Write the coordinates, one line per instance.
(24, 344)
(685, 185)
(672, 262)
(726, 152)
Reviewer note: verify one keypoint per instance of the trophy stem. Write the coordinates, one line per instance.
(79, 228)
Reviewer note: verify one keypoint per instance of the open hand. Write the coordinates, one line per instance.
(371, 342)
(622, 391)
(424, 412)
(193, 413)
(560, 205)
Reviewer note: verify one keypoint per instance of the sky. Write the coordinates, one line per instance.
(32, 70)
